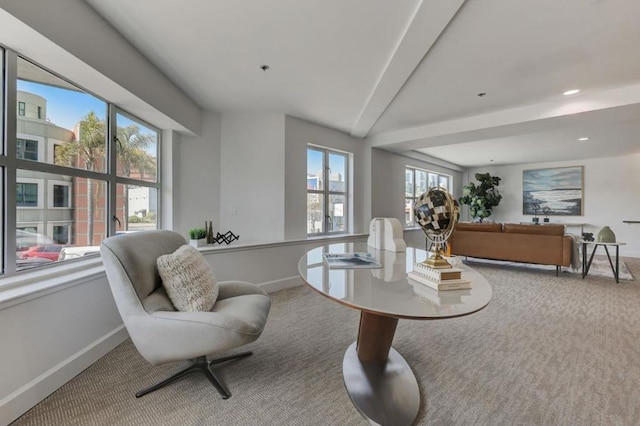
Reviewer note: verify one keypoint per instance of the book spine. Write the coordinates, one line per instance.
(454, 285)
(437, 275)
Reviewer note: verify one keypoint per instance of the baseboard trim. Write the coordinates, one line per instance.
(281, 284)
(23, 399)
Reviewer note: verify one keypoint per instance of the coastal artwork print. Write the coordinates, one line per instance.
(556, 191)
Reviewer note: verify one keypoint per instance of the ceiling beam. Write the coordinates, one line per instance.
(519, 120)
(428, 22)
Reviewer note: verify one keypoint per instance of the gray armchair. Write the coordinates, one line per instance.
(160, 333)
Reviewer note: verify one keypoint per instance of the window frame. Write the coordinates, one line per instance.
(409, 201)
(10, 163)
(326, 191)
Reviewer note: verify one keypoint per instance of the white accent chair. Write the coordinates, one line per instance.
(159, 332)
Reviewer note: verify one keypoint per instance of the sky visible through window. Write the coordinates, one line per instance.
(65, 108)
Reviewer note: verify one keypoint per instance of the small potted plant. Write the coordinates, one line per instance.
(197, 237)
(546, 210)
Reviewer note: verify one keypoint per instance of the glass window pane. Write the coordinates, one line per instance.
(408, 212)
(433, 180)
(315, 213)
(443, 182)
(408, 183)
(315, 166)
(136, 208)
(57, 122)
(58, 212)
(137, 150)
(421, 182)
(337, 213)
(27, 194)
(337, 172)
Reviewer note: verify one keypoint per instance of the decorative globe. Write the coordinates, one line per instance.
(437, 213)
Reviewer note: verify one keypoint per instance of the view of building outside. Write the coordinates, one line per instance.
(326, 205)
(57, 211)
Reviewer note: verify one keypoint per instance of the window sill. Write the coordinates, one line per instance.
(29, 285)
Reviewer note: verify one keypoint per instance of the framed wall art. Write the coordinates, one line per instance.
(557, 191)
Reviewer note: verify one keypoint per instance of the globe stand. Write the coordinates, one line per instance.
(436, 261)
(436, 211)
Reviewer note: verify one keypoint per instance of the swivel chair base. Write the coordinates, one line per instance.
(200, 364)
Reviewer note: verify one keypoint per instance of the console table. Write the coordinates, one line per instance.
(586, 265)
(378, 380)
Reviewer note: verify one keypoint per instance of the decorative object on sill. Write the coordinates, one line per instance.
(385, 233)
(226, 238)
(536, 208)
(587, 236)
(482, 198)
(210, 238)
(546, 210)
(437, 212)
(197, 237)
(606, 235)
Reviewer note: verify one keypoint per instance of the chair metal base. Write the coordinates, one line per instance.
(200, 364)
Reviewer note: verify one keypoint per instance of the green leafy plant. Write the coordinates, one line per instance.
(483, 197)
(197, 233)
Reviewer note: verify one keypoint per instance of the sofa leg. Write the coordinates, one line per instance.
(557, 270)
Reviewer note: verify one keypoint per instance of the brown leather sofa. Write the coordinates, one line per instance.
(542, 244)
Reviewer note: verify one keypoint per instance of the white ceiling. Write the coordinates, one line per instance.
(405, 74)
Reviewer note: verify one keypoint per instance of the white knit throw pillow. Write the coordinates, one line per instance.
(188, 279)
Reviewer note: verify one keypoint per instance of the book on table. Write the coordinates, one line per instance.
(439, 298)
(452, 284)
(438, 274)
(358, 260)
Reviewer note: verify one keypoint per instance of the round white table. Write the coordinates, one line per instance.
(377, 378)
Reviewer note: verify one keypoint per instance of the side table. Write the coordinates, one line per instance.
(586, 265)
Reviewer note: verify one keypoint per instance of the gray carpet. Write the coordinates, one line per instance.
(546, 351)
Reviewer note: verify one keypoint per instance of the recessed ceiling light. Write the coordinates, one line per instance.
(571, 92)
(482, 94)
(264, 67)
(583, 139)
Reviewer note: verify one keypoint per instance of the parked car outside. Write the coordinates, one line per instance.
(50, 251)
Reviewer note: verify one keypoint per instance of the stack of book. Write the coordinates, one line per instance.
(439, 279)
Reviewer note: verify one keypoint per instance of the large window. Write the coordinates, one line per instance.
(327, 191)
(68, 191)
(417, 182)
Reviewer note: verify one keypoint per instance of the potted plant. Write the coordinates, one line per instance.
(197, 237)
(546, 210)
(483, 197)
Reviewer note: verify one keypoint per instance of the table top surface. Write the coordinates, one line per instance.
(602, 243)
(387, 291)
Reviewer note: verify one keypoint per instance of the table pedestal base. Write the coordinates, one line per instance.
(385, 394)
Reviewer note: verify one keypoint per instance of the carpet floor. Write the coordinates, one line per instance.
(547, 350)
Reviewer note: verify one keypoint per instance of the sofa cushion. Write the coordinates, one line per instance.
(534, 229)
(478, 227)
(188, 279)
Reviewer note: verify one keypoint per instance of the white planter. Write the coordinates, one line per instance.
(198, 243)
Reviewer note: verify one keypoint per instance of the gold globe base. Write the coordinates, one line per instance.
(437, 262)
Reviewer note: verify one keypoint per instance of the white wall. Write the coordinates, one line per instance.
(49, 338)
(388, 180)
(196, 177)
(299, 134)
(252, 167)
(610, 196)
